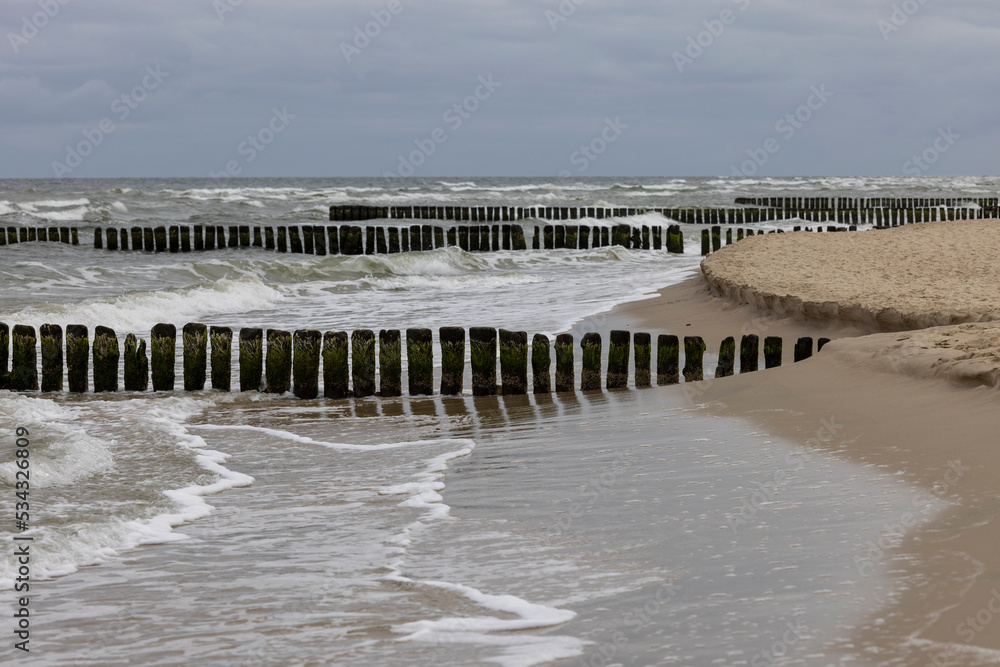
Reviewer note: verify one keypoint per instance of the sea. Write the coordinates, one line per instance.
(630, 527)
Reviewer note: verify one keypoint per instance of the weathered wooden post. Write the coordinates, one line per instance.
(244, 232)
(278, 368)
(590, 374)
(370, 240)
(258, 240)
(294, 240)
(821, 343)
(483, 347)
(438, 237)
(106, 355)
(282, 239)
(420, 361)
(75, 233)
(221, 339)
(185, 239)
(541, 364)
(727, 358)
(163, 344)
(404, 240)
(749, 353)
(380, 245)
(393, 240)
(772, 352)
(363, 362)
(643, 343)
(305, 363)
(52, 356)
(269, 243)
(351, 242)
(452, 360)
(77, 357)
(549, 235)
(199, 238)
(122, 235)
(513, 362)
(729, 236)
(112, 238)
(194, 341)
(705, 242)
(174, 238)
(390, 363)
(518, 242)
(251, 358)
(619, 351)
(335, 364)
(160, 237)
(694, 354)
(716, 238)
(136, 364)
(565, 367)
(209, 238)
(803, 348)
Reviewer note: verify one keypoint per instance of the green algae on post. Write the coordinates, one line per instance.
(420, 362)
(269, 238)
(619, 349)
(282, 239)
(541, 364)
(590, 374)
(749, 353)
(727, 358)
(803, 348)
(705, 242)
(483, 348)
(51, 338)
(194, 339)
(363, 362)
(335, 364)
(305, 363)
(452, 360)
(667, 360)
(221, 339)
(513, 362)
(106, 355)
(278, 365)
(643, 344)
(251, 358)
(77, 357)
(163, 344)
(772, 352)
(565, 368)
(136, 364)
(4, 355)
(390, 363)
(294, 240)
(694, 353)
(160, 236)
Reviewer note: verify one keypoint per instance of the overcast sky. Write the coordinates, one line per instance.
(110, 88)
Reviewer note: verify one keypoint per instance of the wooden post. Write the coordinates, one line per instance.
(483, 346)
(258, 240)
(513, 362)
(404, 240)
(705, 242)
(363, 362)
(772, 351)
(643, 344)
(305, 362)
(583, 237)
(163, 344)
(251, 358)
(716, 238)
(803, 348)
(106, 357)
(369, 240)
(393, 240)
(380, 245)
(541, 364)
(438, 237)
(351, 242)
(727, 358)
(565, 368)
(452, 360)
(820, 343)
(199, 238)
(335, 364)
(749, 353)
(160, 236)
(52, 356)
(549, 234)
(294, 240)
(590, 375)
(112, 238)
(221, 339)
(308, 245)
(278, 368)
(282, 239)
(175, 239)
(518, 242)
(185, 239)
(136, 364)
(390, 363)
(77, 357)
(694, 354)
(619, 351)
(194, 339)
(420, 361)
(269, 238)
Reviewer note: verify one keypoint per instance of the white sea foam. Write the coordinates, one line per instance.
(57, 203)
(70, 215)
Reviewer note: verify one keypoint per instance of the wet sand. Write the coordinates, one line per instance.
(921, 403)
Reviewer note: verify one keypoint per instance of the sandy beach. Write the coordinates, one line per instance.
(921, 403)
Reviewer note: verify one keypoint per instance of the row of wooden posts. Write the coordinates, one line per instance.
(291, 361)
(370, 240)
(68, 235)
(701, 215)
(844, 203)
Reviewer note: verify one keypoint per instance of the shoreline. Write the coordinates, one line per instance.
(915, 403)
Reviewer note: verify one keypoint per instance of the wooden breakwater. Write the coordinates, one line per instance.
(990, 204)
(13, 235)
(361, 363)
